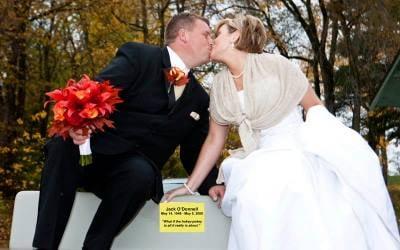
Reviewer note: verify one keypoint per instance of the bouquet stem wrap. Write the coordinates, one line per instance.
(86, 153)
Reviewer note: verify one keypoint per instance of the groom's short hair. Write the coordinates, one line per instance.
(181, 21)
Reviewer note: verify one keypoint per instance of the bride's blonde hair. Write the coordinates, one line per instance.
(252, 37)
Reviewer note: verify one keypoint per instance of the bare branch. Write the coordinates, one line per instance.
(134, 26)
(334, 37)
(325, 24)
(292, 7)
(56, 9)
(308, 60)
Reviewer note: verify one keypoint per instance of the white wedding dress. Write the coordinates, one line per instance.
(313, 185)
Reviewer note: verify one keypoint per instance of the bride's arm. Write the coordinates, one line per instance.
(208, 156)
(310, 99)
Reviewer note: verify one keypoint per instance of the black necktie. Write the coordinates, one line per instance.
(171, 97)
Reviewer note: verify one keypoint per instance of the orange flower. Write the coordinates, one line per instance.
(81, 94)
(175, 76)
(90, 111)
(59, 113)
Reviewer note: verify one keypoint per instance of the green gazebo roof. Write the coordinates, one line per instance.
(389, 93)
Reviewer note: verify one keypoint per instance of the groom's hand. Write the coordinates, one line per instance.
(217, 193)
(78, 137)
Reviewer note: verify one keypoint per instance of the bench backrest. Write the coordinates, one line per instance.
(142, 233)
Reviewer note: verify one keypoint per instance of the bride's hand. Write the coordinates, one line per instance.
(180, 191)
(217, 193)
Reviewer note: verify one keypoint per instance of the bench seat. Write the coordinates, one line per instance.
(142, 233)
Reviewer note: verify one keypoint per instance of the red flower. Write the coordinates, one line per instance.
(175, 76)
(82, 104)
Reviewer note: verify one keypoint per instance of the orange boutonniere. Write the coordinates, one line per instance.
(175, 76)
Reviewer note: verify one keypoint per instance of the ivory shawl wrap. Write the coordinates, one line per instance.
(273, 87)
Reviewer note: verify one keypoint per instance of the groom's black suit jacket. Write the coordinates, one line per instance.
(143, 122)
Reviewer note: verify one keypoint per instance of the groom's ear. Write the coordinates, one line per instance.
(182, 35)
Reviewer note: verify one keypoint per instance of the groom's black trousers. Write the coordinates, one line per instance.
(123, 182)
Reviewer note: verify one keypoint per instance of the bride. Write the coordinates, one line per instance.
(295, 185)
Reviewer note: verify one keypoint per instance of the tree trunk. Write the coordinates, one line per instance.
(354, 66)
(316, 77)
(15, 96)
(383, 156)
(328, 82)
(47, 74)
(144, 21)
(161, 16)
(377, 141)
(309, 26)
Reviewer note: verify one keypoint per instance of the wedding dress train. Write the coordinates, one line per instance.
(313, 185)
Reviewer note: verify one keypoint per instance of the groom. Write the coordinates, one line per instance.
(154, 119)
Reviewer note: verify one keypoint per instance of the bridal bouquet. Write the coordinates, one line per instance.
(82, 105)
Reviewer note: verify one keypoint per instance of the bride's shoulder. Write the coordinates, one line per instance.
(276, 61)
(271, 57)
(269, 62)
(268, 59)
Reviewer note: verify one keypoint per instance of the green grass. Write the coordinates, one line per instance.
(394, 179)
(394, 191)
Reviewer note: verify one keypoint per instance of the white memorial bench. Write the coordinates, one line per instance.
(142, 233)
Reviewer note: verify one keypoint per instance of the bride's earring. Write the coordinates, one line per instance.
(232, 45)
